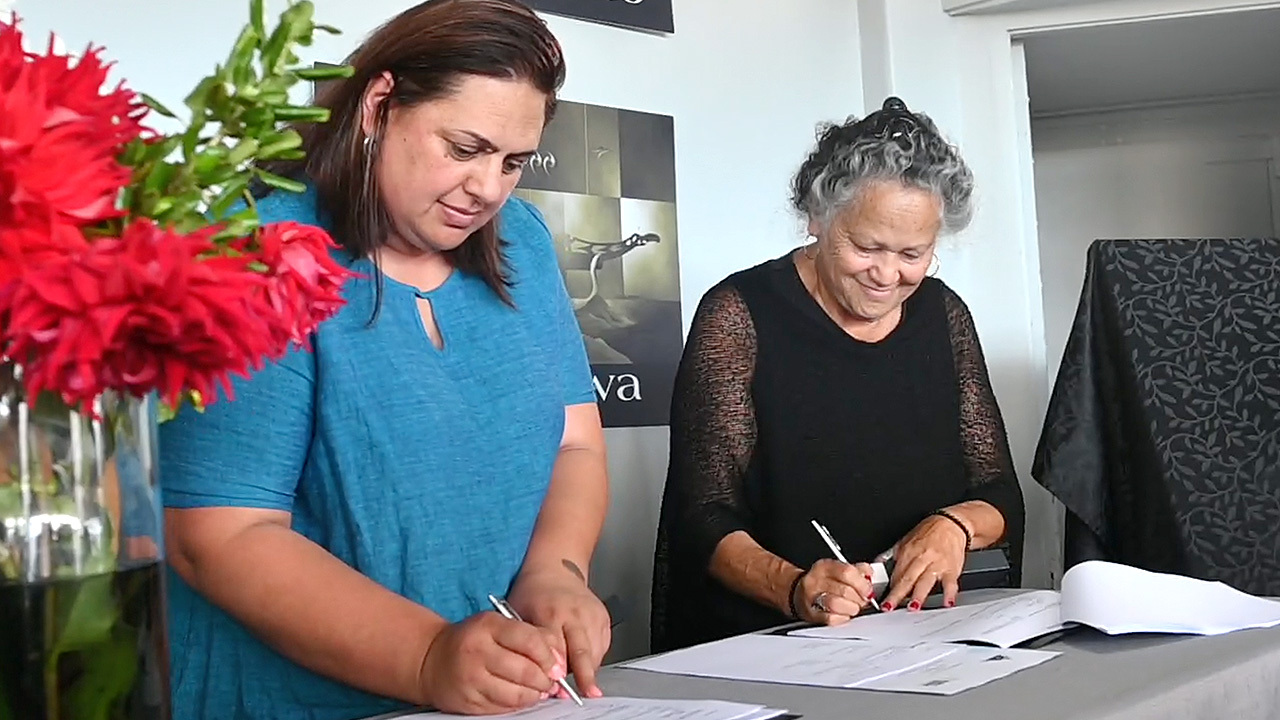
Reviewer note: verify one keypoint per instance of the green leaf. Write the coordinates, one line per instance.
(159, 178)
(208, 159)
(198, 100)
(278, 83)
(244, 150)
(258, 17)
(162, 206)
(220, 175)
(157, 106)
(240, 60)
(92, 613)
(134, 153)
(303, 114)
(276, 143)
(327, 72)
(239, 228)
(259, 119)
(295, 24)
(107, 676)
(231, 192)
(278, 97)
(281, 183)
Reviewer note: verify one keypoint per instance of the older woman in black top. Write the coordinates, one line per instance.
(840, 382)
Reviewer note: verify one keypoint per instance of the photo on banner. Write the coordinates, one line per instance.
(604, 180)
(654, 15)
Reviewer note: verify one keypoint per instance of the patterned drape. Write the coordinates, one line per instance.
(1162, 436)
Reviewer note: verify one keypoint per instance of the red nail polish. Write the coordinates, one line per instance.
(886, 606)
(868, 577)
(951, 603)
(915, 605)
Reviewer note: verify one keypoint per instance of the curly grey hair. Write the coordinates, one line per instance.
(889, 144)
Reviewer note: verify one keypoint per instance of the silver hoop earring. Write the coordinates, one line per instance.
(368, 144)
(934, 266)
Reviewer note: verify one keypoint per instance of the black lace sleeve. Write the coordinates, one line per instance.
(713, 433)
(988, 462)
(713, 424)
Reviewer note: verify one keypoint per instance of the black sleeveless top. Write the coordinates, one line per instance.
(779, 417)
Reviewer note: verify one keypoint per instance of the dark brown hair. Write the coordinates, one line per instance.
(427, 49)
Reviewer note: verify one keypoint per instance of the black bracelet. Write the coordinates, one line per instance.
(968, 538)
(791, 597)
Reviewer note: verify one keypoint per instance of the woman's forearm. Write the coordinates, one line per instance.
(742, 565)
(984, 521)
(314, 609)
(572, 514)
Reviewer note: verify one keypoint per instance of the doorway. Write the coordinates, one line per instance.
(1157, 129)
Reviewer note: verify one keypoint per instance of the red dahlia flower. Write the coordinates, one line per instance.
(304, 286)
(59, 138)
(136, 313)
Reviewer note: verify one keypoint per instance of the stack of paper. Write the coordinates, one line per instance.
(932, 668)
(621, 708)
(1115, 599)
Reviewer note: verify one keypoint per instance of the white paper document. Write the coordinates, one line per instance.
(1118, 599)
(967, 667)
(622, 708)
(791, 660)
(1113, 598)
(864, 665)
(1003, 622)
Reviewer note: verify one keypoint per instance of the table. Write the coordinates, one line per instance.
(1235, 676)
(1137, 677)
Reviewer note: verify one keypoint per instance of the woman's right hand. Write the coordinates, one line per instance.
(832, 592)
(487, 664)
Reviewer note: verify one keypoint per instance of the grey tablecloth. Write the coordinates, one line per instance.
(1233, 677)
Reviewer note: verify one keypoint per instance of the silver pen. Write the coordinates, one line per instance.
(835, 550)
(508, 612)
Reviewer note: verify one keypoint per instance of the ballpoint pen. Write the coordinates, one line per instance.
(508, 612)
(835, 550)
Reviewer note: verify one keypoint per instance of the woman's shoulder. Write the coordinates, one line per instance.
(943, 295)
(529, 244)
(748, 281)
(285, 206)
(729, 302)
(520, 219)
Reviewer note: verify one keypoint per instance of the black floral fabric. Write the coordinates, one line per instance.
(1162, 436)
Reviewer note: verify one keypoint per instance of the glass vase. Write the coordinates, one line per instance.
(82, 616)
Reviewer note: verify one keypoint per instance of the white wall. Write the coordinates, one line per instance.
(746, 90)
(1186, 171)
(964, 71)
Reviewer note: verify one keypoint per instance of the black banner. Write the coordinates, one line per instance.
(604, 180)
(637, 14)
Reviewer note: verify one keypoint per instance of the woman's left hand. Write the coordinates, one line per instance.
(932, 553)
(562, 603)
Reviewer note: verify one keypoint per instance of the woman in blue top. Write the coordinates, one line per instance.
(335, 530)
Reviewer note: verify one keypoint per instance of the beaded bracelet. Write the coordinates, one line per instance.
(791, 597)
(968, 537)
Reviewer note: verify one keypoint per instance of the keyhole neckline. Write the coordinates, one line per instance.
(417, 291)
